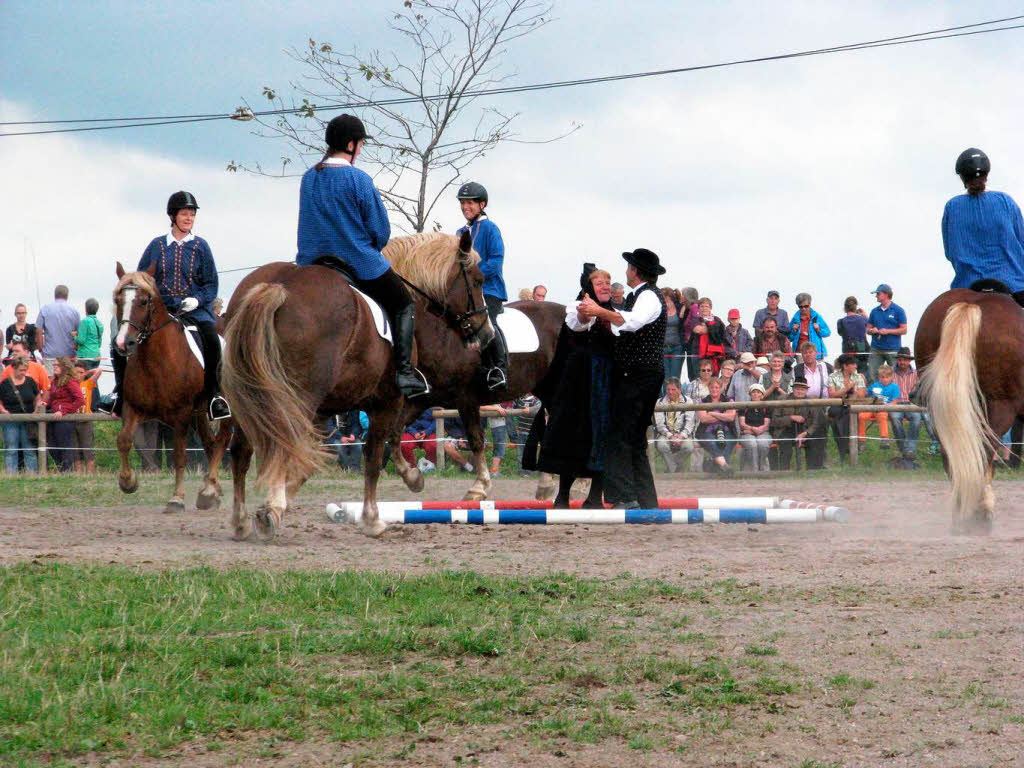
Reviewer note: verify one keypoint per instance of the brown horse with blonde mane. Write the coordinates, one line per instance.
(162, 380)
(970, 348)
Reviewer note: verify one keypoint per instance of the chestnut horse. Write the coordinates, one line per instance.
(162, 380)
(970, 351)
(301, 346)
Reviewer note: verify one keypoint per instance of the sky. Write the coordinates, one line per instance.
(823, 174)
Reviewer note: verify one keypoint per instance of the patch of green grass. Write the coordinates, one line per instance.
(955, 634)
(846, 681)
(761, 650)
(112, 660)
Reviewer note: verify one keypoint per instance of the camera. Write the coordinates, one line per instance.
(720, 435)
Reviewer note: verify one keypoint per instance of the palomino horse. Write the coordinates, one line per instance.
(164, 381)
(970, 347)
(301, 343)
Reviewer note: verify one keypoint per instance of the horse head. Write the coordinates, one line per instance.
(466, 296)
(138, 305)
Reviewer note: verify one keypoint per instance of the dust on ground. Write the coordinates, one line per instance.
(935, 621)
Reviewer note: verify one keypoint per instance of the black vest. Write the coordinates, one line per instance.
(643, 349)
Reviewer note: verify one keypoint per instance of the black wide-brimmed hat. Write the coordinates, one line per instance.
(644, 260)
(904, 352)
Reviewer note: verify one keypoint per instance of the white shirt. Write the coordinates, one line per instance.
(645, 311)
(185, 239)
(572, 318)
(337, 160)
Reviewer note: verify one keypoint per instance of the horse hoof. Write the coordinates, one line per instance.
(174, 506)
(474, 496)
(545, 492)
(374, 529)
(416, 484)
(242, 532)
(207, 500)
(128, 484)
(266, 523)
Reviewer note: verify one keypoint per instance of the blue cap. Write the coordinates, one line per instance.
(883, 287)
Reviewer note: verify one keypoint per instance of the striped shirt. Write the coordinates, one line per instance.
(906, 381)
(983, 236)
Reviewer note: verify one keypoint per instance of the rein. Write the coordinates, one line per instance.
(147, 330)
(461, 320)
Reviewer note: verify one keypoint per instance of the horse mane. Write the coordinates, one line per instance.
(141, 280)
(426, 259)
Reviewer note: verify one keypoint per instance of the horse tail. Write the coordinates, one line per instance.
(268, 404)
(949, 385)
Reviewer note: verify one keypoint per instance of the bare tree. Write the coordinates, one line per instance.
(415, 101)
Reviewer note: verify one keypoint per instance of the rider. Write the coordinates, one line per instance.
(186, 277)
(983, 232)
(341, 214)
(487, 242)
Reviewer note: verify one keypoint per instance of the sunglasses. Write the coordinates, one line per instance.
(803, 306)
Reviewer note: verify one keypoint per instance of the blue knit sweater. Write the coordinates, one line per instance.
(341, 214)
(488, 243)
(984, 237)
(184, 268)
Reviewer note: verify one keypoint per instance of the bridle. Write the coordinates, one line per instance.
(144, 331)
(462, 321)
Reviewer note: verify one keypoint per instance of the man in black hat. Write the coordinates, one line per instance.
(637, 373)
(800, 426)
(906, 425)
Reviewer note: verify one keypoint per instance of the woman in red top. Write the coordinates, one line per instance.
(65, 396)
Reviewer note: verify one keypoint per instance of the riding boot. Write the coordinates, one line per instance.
(114, 405)
(494, 359)
(595, 498)
(218, 406)
(564, 487)
(411, 382)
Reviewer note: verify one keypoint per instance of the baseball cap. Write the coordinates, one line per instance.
(774, 293)
(733, 313)
(762, 360)
(883, 287)
(747, 357)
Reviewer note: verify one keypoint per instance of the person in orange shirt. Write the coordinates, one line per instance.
(36, 372)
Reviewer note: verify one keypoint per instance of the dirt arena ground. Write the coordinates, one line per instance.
(936, 622)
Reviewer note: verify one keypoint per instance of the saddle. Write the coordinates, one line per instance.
(339, 266)
(195, 342)
(381, 321)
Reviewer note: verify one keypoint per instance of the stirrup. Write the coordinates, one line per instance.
(409, 389)
(218, 408)
(496, 379)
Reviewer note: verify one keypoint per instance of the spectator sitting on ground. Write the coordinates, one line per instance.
(420, 434)
(852, 329)
(35, 371)
(21, 330)
(697, 388)
(808, 326)
(762, 365)
(887, 323)
(776, 382)
(89, 336)
(738, 337)
(814, 371)
(352, 425)
(455, 442)
(19, 393)
(884, 390)
(747, 375)
(770, 339)
(905, 426)
(844, 383)
(618, 296)
(772, 310)
(708, 339)
(801, 427)
(716, 429)
(754, 435)
(675, 429)
(56, 327)
(525, 294)
(64, 397)
(540, 293)
(726, 373)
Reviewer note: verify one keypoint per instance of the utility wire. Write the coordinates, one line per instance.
(918, 37)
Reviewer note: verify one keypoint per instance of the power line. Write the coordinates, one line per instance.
(138, 122)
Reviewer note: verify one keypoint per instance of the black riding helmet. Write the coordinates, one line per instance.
(471, 190)
(180, 200)
(342, 130)
(972, 164)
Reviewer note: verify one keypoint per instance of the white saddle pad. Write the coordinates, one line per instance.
(520, 335)
(380, 320)
(191, 332)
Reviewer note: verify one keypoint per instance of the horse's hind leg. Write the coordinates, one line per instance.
(380, 426)
(177, 500)
(241, 456)
(475, 433)
(210, 494)
(410, 475)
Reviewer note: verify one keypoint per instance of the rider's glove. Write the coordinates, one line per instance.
(187, 305)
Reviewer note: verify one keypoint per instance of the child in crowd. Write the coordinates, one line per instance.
(885, 390)
(754, 435)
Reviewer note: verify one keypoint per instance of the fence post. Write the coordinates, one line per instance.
(854, 445)
(439, 445)
(41, 446)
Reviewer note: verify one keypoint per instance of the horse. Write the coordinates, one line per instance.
(301, 345)
(970, 348)
(162, 380)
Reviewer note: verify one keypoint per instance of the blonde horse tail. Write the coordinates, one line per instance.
(949, 385)
(267, 403)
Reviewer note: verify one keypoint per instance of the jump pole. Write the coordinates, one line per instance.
(736, 502)
(351, 512)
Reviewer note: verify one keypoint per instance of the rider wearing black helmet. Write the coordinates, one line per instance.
(341, 214)
(488, 243)
(982, 231)
(186, 277)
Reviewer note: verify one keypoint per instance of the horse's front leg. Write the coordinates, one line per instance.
(241, 456)
(373, 453)
(210, 494)
(177, 500)
(127, 479)
(475, 434)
